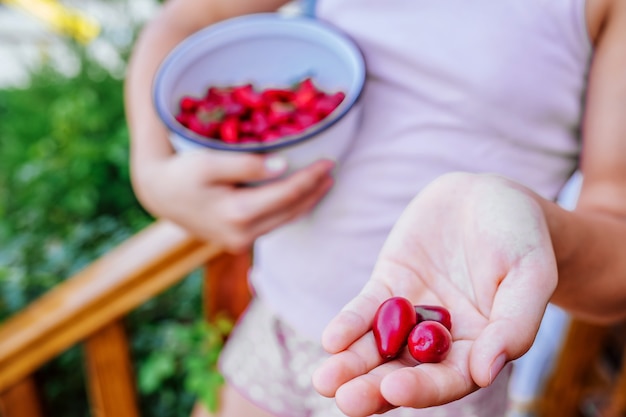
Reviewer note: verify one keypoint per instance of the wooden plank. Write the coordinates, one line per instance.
(110, 377)
(226, 289)
(21, 400)
(573, 372)
(617, 401)
(137, 270)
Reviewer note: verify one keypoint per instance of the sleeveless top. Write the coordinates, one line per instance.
(453, 85)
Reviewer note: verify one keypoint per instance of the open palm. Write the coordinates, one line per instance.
(476, 244)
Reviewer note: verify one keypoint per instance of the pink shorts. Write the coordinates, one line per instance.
(271, 364)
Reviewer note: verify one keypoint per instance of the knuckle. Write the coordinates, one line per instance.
(238, 218)
(238, 243)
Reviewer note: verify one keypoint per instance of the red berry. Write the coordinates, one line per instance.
(393, 322)
(259, 122)
(229, 130)
(304, 120)
(305, 93)
(208, 129)
(272, 95)
(208, 112)
(184, 118)
(247, 96)
(280, 112)
(188, 104)
(232, 108)
(217, 95)
(435, 313)
(325, 103)
(429, 342)
(270, 135)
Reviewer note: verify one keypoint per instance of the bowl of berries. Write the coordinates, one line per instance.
(263, 83)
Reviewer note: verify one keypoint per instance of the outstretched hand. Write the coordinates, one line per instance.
(475, 244)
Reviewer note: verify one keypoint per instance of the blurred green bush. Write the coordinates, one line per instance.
(65, 199)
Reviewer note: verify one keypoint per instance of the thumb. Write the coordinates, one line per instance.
(498, 344)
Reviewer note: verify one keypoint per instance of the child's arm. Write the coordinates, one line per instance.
(198, 190)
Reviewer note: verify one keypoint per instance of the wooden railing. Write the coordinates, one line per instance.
(587, 379)
(88, 309)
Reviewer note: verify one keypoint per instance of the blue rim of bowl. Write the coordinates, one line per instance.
(168, 118)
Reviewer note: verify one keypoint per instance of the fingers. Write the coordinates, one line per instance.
(353, 378)
(518, 308)
(430, 384)
(253, 211)
(235, 216)
(363, 385)
(491, 351)
(288, 192)
(292, 210)
(340, 368)
(355, 319)
(361, 397)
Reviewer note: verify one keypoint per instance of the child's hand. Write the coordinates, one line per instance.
(201, 191)
(476, 244)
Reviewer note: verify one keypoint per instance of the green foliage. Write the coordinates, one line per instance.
(65, 196)
(194, 349)
(64, 185)
(66, 199)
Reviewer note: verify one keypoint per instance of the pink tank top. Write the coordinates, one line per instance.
(453, 85)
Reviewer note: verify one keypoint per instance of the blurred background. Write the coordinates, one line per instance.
(66, 199)
(65, 195)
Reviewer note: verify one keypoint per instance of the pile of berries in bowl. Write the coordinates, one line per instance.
(244, 113)
(263, 83)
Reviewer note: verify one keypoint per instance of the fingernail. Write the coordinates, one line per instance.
(496, 367)
(275, 164)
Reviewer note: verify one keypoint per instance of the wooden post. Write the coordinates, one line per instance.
(226, 289)
(21, 400)
(111, 383)
(617, 402)
(573, 371)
